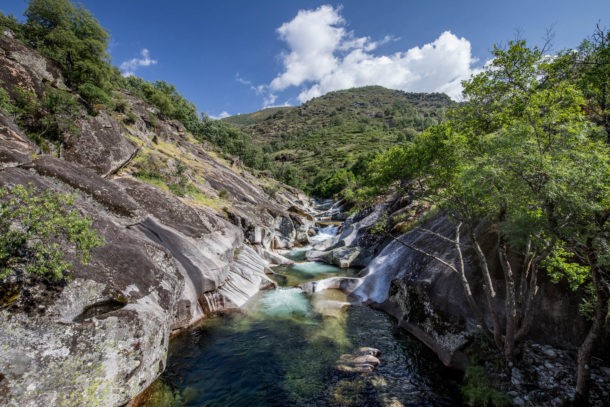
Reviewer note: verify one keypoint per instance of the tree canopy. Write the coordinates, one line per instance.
(527, 154)
(72, 37)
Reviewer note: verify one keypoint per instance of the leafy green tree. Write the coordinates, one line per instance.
(73, 38)
(520, 157)
(36, 230)
(592, 66)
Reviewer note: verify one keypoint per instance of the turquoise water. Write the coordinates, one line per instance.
(282, 349)
(306, 271)
(284, 356)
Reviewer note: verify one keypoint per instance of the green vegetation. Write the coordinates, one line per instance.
(166, 98)
(241, 120)
(323, 145)
(477, 390)
(72, 37)
(46, 120)
(37, 231)
(526, 155)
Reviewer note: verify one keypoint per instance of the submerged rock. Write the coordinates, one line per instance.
(364, 360)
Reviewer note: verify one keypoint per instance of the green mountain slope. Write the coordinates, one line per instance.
(325, 142)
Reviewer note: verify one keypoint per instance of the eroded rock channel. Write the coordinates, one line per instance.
(291, 347)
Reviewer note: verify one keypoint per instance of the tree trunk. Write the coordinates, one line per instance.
(490, 292)
(527, 308)
(597, 328)
(462, 273)
(522, 292)
(511, 305)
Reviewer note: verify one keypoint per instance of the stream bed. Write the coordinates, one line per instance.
(283, 348)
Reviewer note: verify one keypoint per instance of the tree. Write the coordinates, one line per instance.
(520, 158)
(592, 68)
(74, 39)
(37, 230)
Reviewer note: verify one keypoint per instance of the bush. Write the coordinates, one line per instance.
(94, 96)
(5, 102)
(477, 390)
(130, 118)
(48, 119)
(36, 231)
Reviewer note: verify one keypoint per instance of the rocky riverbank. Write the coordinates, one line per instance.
(170, 257)
(428, 301)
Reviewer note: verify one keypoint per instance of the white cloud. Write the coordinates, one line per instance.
(220, 116)
(128, 68)
(322, 56)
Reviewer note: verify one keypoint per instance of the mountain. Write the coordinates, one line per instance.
(340, 131)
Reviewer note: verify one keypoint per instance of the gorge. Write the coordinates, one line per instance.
(370, 247)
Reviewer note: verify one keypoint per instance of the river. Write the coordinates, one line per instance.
(282, 349)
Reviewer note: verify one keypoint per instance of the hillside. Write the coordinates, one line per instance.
(336, 134)
(178, 234)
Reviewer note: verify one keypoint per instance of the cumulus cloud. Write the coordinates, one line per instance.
(128, 68)
(220, 116)
(323, 56)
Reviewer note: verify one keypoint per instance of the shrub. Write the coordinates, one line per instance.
(5, 102)
(477, 390)
(36, 231)
(94, 96)
(130, 118)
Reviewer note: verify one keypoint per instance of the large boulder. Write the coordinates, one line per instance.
(101, 339)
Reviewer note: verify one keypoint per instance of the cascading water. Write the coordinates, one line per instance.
(283, 349)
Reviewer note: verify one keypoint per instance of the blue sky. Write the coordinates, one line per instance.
(236, 56)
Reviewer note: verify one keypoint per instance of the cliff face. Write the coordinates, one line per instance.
(191, 240)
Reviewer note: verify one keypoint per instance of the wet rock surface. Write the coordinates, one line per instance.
(427, 300)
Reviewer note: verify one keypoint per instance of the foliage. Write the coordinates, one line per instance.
(522, 156)
(166, 98)
(233, 141)
(328, 139)
(592, 61)
(36, 228)
(94, 96)
(477, 390)
(561, 264)
(48, 119)
(73, 38)
(12, 24)
(6, 106)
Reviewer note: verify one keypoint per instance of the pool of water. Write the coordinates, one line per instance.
(305, 271)
(282, 350)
